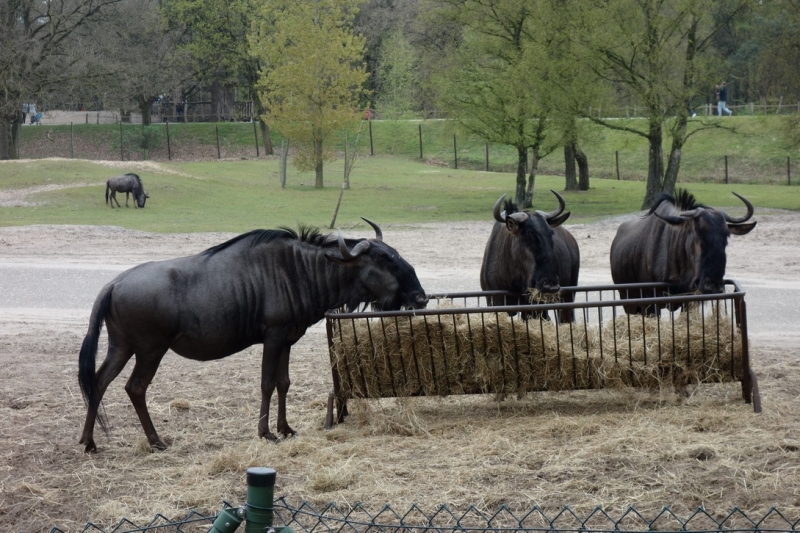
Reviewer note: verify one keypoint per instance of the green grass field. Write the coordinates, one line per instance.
(756, 147)
(242, 195)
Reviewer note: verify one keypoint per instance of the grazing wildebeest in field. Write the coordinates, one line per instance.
(678, 241)
(129, 184)
(263, 287)
(530, 250)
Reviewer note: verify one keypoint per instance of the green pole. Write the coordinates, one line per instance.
(258, 508)
(227, 521)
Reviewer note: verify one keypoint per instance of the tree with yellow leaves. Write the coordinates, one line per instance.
(314, 73)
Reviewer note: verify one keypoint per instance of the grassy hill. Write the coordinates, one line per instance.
(755, 146)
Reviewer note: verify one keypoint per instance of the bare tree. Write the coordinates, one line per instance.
(36, 58)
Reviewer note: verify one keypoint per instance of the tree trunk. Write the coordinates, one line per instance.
(318, 163)
(522, 169)
(569, 168)
(583, 168)
(655, 164)
(145, 108)
(532, 176)
(9, 136)
(673, 164)
(268, 150)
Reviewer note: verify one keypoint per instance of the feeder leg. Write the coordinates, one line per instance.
(329, 412)
(756, 394)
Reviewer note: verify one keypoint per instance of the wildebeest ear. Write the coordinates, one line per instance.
(515, 220)
(741, 229)
(560, 219)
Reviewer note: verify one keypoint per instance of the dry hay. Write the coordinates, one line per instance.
(489, 352)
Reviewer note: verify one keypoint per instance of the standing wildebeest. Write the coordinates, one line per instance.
(530, 250)
(266, 286)
(679, 242)
(129, 184)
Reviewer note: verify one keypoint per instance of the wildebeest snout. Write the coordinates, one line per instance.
(548, 286)
(419, 299)
(711, 286)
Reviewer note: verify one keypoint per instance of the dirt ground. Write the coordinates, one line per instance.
(582, 449)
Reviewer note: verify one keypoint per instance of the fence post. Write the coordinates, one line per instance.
(71, 142)
(616, 156)
(87, 118)
(216, 128)
(789, 170)
(169, 148)
(486, 155)
(255, 134)
(455, 150)
(726, 168)
(371, 151)
(258, 505)
(420, 141)
(121, 153)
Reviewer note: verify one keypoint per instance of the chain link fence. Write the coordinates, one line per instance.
(359, 518)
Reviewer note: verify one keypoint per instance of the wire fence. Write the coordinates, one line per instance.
(359, 518)
(433, 142)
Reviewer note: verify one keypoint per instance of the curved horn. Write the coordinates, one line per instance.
(739, 220)
(378, 232)
(519, 216)
(671, 219)
(561, 205)
(358, 249)
(498, 216)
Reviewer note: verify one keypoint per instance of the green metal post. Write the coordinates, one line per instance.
(227, 521)
(258, 508)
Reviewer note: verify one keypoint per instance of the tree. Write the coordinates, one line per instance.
(314, 76)
(35, 55)
(489, 82)
(216, 35)
(397, 86)
(137, 58)
(652, 49)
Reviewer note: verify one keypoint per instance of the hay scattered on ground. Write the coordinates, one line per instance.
(492, 353)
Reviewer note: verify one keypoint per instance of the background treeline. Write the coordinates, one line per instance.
(530, 75)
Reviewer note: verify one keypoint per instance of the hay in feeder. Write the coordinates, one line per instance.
(489, 352)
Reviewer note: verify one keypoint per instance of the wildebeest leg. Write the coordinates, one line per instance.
(143, 372)
(567, 315)
(274, 373)
(115, 361)
(114, 199)
(127, 194)
(283, 383)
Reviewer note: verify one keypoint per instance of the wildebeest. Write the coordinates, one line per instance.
(129, 184)
(263, 287)
(530, 250)
(678, 241)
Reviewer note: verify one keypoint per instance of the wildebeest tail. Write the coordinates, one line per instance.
(87, 377)
(107, 188)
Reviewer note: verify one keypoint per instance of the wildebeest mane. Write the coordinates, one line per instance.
(509, 206)
(256, 237)
(683, 200)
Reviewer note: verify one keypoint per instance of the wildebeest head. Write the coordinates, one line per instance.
(384, 274)
(139, 194)
(709, 229)
(535, 233)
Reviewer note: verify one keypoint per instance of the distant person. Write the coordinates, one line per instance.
(723, 100)
(32, 111)
(25, 109)
(715, 110)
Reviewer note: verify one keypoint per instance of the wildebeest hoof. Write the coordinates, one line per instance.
(90, 447)
(269, 436)
(158, 446)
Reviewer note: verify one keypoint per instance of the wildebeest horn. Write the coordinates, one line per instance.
(378, 232)
(673, 219)
(519, 216)
(739, 220)
(358, 249)
(498, 216)
(561, 205)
